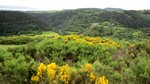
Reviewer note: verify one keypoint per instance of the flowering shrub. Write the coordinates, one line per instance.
(41, 70)
(88, 67)
(89, 40)
(101, 80)
(51, 71)
(63, 74)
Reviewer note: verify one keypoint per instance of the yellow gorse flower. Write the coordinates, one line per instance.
(51, 71)
(101, 80)
(79, 39)
(51, 74)
(88, 67)
(41, 69)
(64, 74)
(52, 66)
(35, 78)
(92, 77)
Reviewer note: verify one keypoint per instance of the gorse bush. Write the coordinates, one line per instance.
(76, 47)
(15, 68)
(53, 73)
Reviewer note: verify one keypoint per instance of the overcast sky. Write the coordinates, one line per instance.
(72, 4)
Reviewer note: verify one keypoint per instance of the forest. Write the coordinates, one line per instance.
(82, 46)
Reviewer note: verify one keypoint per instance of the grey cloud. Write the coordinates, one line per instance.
(5, 7)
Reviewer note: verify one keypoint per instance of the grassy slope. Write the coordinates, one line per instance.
(43, 35)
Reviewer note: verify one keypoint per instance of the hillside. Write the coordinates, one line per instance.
(14, 22)
(86, 46)
(109, 8)
(76, 21)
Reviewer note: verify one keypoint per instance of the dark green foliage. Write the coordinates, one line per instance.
(15, 67)
(12, 22)
(141, 69)
(78, 21)
(18, 40)
(131, 19)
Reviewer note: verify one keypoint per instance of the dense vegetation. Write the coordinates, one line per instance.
(77, 21)
(93, 46)
(14, 22)
(86, 59)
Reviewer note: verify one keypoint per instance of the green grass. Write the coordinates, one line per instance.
(69, 32)
(44, 34)
(48, 34)
(9, 46)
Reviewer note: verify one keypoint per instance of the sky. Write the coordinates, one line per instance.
(72, 4)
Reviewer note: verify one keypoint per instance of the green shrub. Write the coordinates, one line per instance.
(117, 77)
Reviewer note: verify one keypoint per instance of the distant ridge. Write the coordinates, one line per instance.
(70, 21)
(109, 8)
(13, 22)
